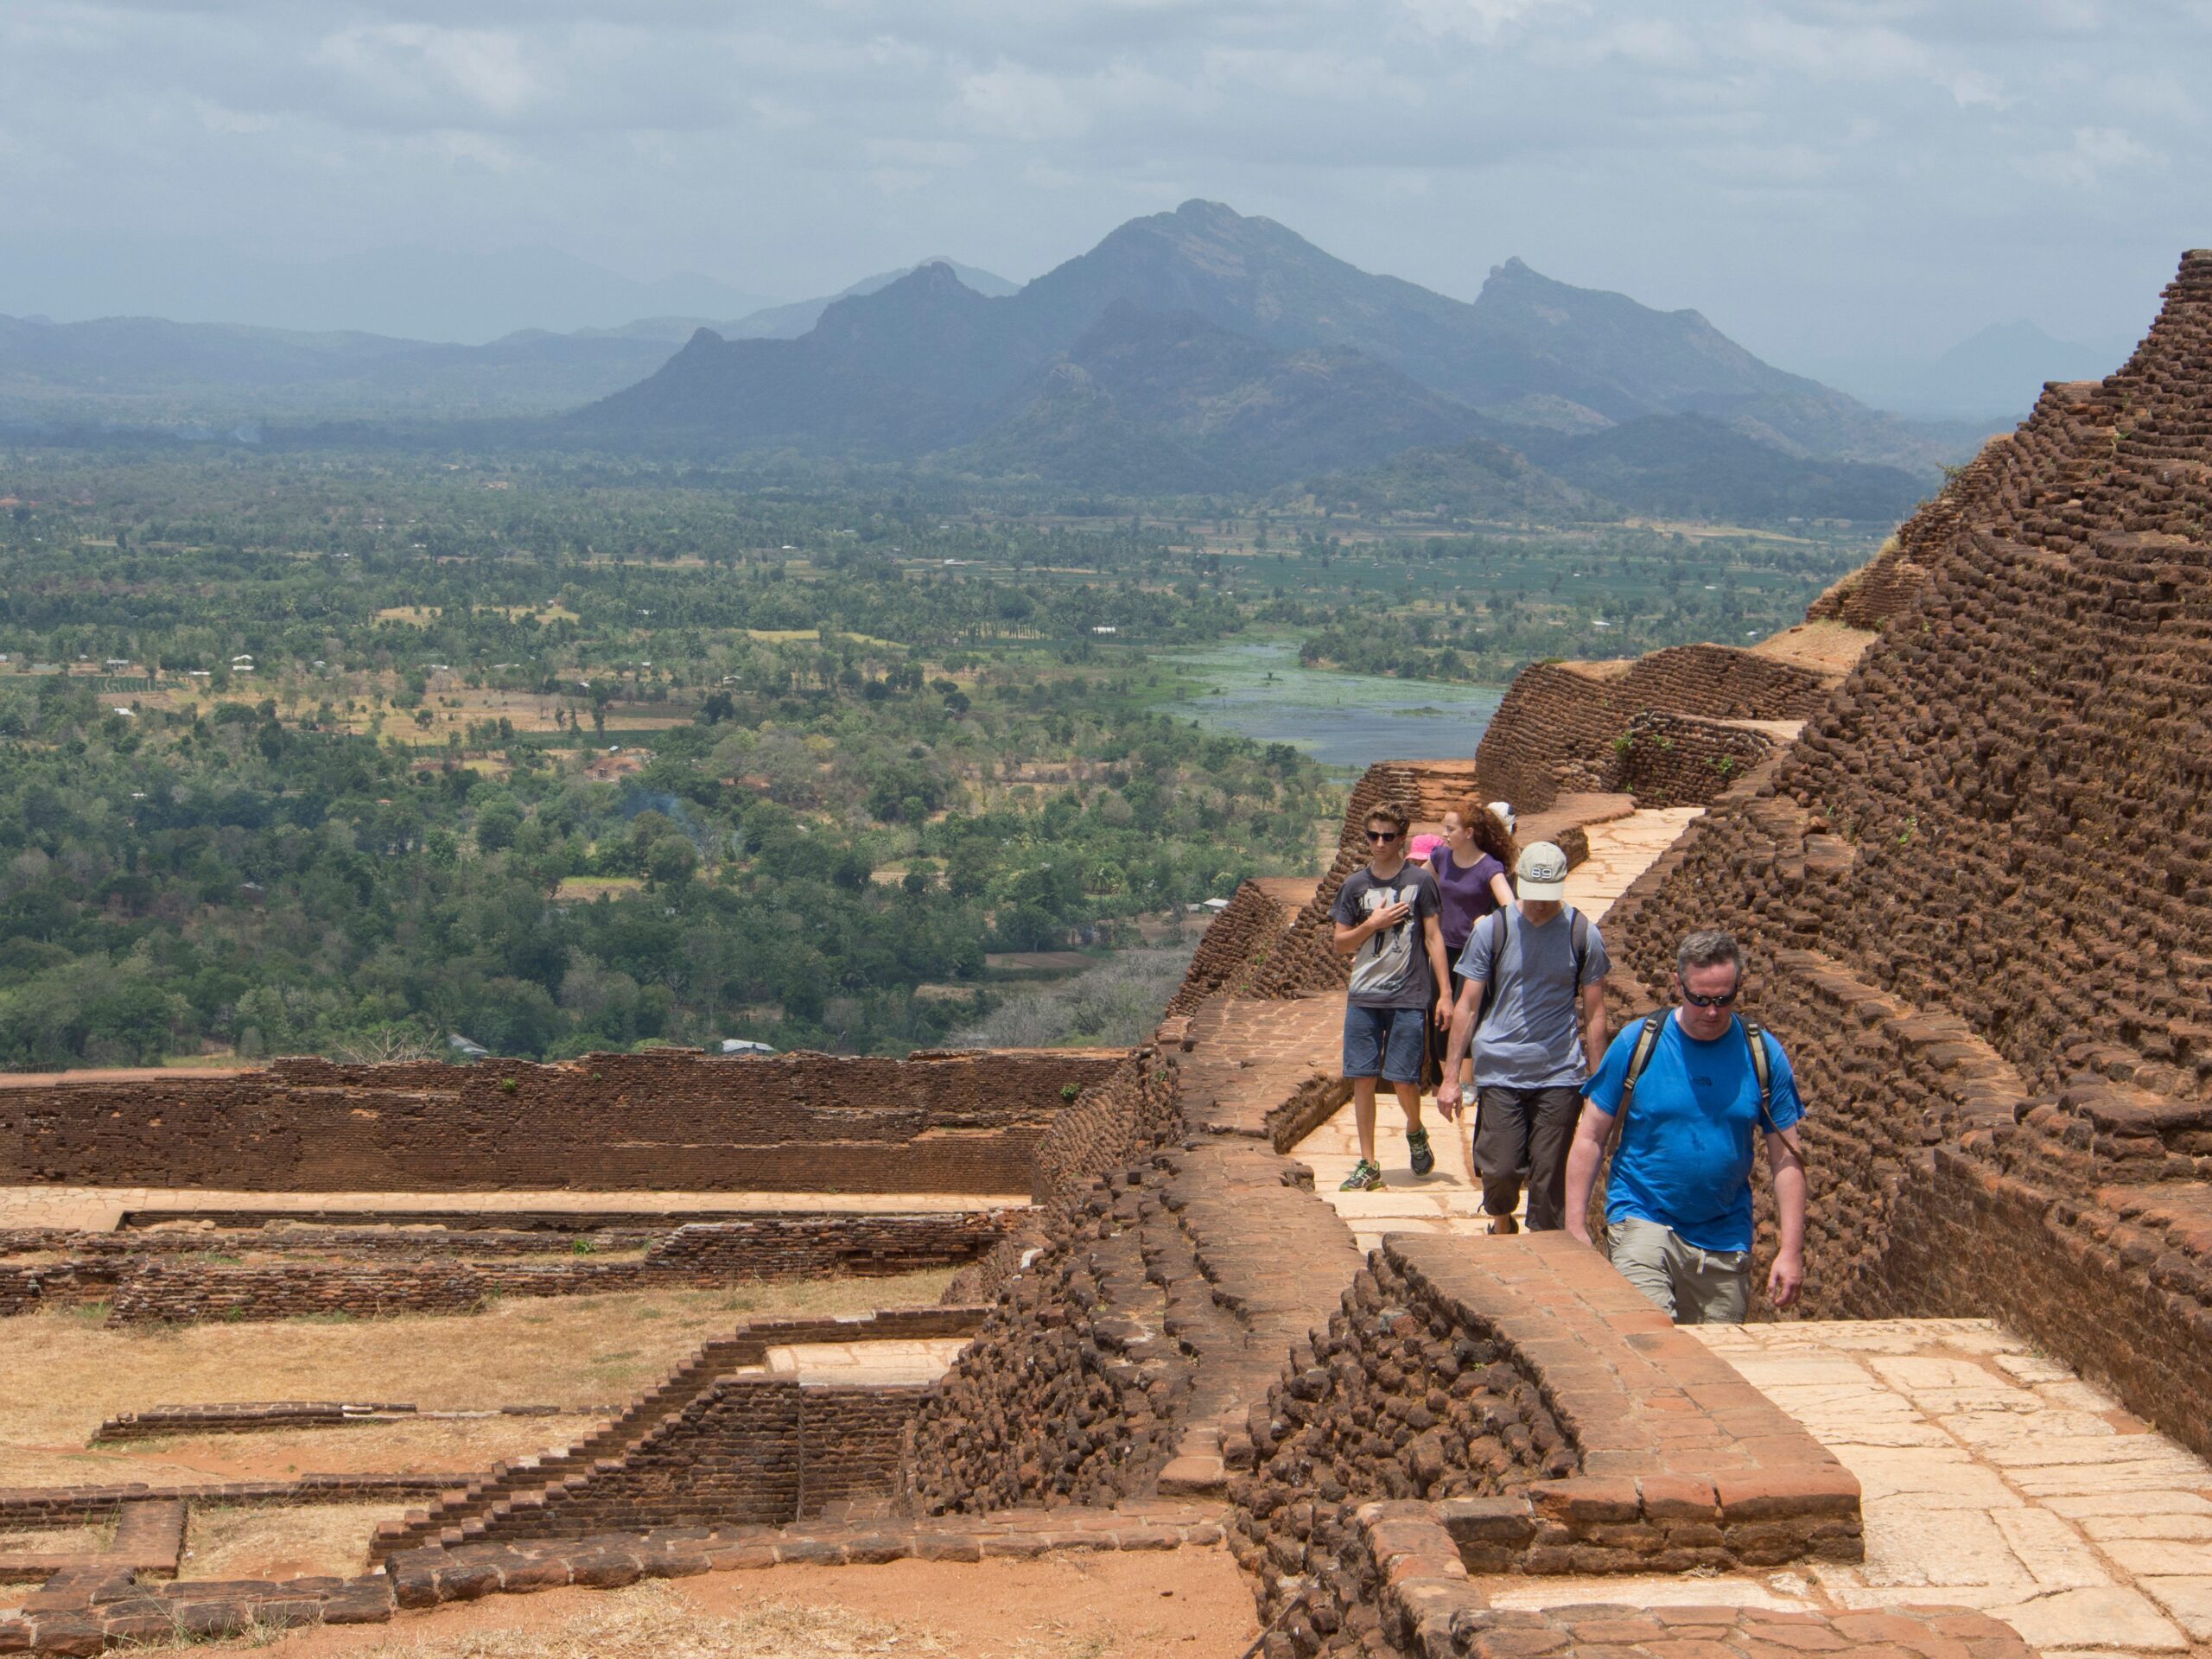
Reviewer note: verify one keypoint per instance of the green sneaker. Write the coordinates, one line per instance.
(1417, 1144)
(1366, 1177)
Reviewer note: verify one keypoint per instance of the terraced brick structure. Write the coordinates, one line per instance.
(1965, 829)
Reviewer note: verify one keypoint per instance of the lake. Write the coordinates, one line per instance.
(1259, 691)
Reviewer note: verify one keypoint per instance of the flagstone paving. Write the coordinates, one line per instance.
(1995, 1478)
(1620, 850)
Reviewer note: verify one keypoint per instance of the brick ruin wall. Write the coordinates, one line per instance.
(1396, 1399)
(1977, 894)
(1982, 489)
(756, 1450)
(156, 1290)
(1554, 732)
(954, 1122)
(1676, 760)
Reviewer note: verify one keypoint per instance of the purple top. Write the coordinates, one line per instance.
(1467, 897)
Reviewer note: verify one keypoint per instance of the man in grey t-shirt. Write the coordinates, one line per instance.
(1545, 1034)
(1385, 920)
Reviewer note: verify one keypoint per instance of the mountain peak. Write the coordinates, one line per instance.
(1213, 211)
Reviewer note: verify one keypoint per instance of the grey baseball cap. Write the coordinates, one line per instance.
(1542, 873)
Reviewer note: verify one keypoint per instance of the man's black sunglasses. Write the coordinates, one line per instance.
(1382, 835)
(1720, 1001)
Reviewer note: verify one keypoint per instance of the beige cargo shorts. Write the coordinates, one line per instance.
(1692, 1286)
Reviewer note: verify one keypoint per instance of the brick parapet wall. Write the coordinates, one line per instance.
(1678, 761)
(961, 1122)
(1119, 1119)
(1555, 731)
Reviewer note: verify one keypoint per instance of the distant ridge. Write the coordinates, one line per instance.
(1229, 348)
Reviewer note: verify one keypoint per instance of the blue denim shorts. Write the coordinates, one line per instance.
(1390, 1041)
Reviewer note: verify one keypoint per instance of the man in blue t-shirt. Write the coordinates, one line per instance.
(1678, 1207)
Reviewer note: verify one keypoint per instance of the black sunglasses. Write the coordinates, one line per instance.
(1382, 835)
(1720, 1001)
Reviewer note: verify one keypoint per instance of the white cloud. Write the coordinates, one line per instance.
(1008, 101)
(412, 62)
(2094, 152)
(1472, 20)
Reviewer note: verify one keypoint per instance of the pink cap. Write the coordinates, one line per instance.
(1423, 846)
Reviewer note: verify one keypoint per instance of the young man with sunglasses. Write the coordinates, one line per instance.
(1386, 922)
(1692, 1098)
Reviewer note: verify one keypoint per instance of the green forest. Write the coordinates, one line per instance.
(350, 754)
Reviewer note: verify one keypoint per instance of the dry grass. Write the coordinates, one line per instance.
(61, 1372)
(57, 1541)
(588, 888)
(283, 1542)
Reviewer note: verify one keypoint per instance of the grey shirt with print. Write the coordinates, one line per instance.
(1390, 968)
(1533, 1038)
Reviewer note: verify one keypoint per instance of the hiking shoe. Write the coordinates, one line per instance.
(1366, 1177)
(1424, 1157)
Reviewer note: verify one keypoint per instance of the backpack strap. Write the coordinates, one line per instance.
(1639, 1062)
(1498, 934)
(1763, 1064)
(1578, 933)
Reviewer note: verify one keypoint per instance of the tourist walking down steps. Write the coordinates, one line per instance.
(1469, 862)
(1691, 1091)
(1386, 922)
(1533, 1003)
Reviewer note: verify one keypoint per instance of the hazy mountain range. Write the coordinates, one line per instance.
(1204, 350)
(1197, 350)
(1998, 370)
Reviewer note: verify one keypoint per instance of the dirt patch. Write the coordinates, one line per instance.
(1189, 1603)
(61, 1372)
(1826, 647)
(283, 1542)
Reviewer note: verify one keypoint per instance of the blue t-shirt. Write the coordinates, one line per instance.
(1684, 1159)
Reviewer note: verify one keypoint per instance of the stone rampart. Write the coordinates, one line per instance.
(1555, 732)
(966, 1122)
(1666, 759)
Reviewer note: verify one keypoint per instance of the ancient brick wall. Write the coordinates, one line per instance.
(1553, 733)
(748, 1449)
(1984, 493)
(159, 1290)
(964, 1121)
(1395, 1399)
(1069, 1393)
(1676, 760)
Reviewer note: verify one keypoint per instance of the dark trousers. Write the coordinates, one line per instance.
(1530, 1130)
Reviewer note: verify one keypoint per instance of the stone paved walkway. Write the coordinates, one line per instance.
(1447, 1200)
(1620, 850)
(98, 1209)
(1992, 1479)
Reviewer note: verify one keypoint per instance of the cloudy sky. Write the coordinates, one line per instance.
(1823, 179)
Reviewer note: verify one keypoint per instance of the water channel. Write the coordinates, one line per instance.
(1347, 721)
